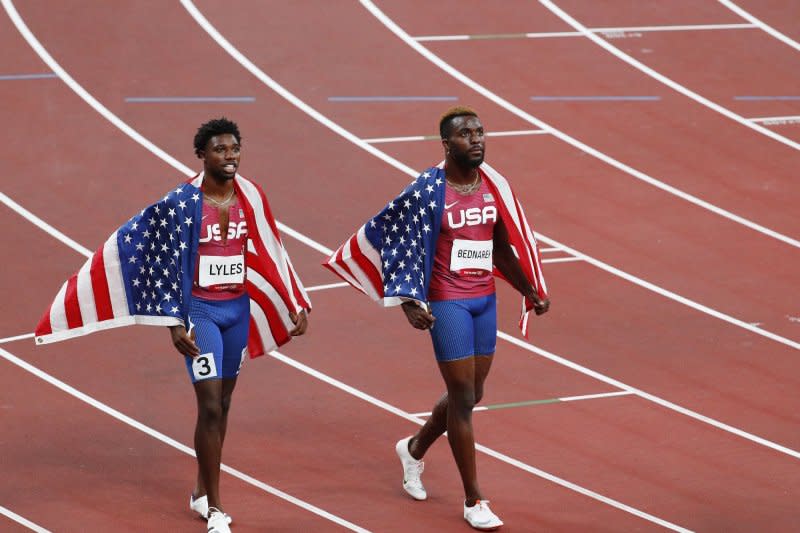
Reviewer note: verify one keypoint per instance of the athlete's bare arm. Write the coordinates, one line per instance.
(184, 342)
(417, 316)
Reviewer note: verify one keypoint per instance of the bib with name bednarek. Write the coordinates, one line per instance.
(221, 270)
(471, 257)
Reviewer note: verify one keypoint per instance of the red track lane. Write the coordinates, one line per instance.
(69, 467)
(757, 393)
(284, 422)
(783, 16)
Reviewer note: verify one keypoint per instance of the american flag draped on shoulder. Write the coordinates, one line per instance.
(143, 273)
(390, 258)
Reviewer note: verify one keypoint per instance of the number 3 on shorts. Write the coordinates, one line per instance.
(203, 366)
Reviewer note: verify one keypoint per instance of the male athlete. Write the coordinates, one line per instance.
(434, 249)
(208, 262)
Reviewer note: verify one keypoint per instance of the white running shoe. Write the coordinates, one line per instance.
(412, 471)
(200, 506)
(217, 521)
(481, 517)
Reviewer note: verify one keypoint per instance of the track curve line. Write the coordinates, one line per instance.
(760, 24)
(672, 84)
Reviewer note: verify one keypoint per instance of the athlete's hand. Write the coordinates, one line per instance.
(300, 321)
(184, 342)
(540, 306)
(417, 316)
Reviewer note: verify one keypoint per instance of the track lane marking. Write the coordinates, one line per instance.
(484, 449)
(672, 84)
(147, 430)
(505, 104)
(615, 30)
(761, 25)
(510, 133)
(17, 338)
(546, 401)
(22, 520)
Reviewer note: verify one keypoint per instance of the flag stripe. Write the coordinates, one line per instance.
(266, 235)
(369, 261)
(58, 318)
(362, 269)
(299, 291)
(71, 307)
(85, 295)
(274, 327)
(261, 329)
(102, 299)
(335, 265)
(116, 287)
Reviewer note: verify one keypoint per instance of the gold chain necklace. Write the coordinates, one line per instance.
(466, 188)
(223, 202)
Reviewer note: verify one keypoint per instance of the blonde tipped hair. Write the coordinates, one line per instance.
(450, 114)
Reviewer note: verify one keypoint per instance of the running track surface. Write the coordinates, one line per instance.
(704, 435)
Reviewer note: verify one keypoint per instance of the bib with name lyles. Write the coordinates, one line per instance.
(462, 266)
(220, 269)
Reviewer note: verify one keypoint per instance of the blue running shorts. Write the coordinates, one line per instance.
(221, 328)
(464, 328)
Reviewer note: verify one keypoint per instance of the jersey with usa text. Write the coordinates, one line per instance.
(220, 269)
(462, 266)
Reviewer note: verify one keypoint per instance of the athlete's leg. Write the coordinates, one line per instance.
(460, 378)
(208, 438)
(233, 319)
(452, 339)
(228, 384)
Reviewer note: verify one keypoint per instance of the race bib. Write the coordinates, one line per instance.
(203, 367)
(220, 270)
(471, 257)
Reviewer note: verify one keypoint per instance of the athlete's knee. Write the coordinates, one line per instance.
(462, 399)
(478, 394)
(226, 405)
(210, 411)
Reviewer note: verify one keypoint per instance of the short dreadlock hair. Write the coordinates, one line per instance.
(217, 126)
(447, 118)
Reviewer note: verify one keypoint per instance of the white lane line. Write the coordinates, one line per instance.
(762, 25)
(650, 397)
(788, 119)
(512, 133)
(17, 338)
(22, 520)
(402, 167)
(615, 30)
(530, 403)
(125, 419)
(44, 226)
(595, 396)
(505, 104)
(561, 260)
(488, 451)
(563, 15)
(328, 286)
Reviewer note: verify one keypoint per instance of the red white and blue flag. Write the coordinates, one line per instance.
(390, 258)
(143, 273)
